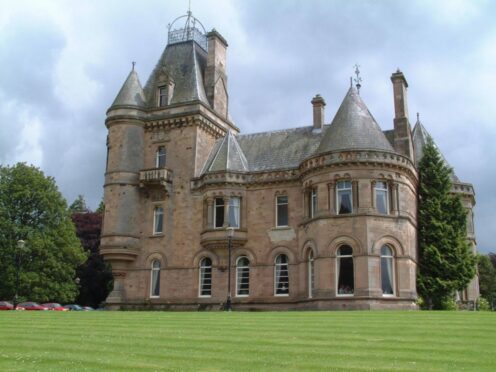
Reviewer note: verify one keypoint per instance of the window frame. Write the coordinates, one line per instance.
(391, 260)
(311, 273)
(159, 156)
(387, 196)
(276, 265)
(154, 270)
(161, 89)
(312, 202)
(215, 213)
(201, 280)
(238, 278)
(339, 256)
(277, 210)
(155, 214)
(237, 211)
(342, 190)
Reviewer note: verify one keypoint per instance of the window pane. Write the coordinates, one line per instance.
(206, 277)
(381, 201)
(346, 282)
(243, 277)
(159, 220)
(155, 280)
(282, 211)
(234, 203)
(163, 96)
(387, 275)
(344, 201)
(219, 212)
(311, 275)
(282, 275)
(160, 161)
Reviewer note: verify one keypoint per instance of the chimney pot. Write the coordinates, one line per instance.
(318, 104)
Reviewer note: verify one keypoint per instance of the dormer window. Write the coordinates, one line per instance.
(163, 96)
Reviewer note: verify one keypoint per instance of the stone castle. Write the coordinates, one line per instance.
(198, 215)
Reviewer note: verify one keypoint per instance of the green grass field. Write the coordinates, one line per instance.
(239, 341)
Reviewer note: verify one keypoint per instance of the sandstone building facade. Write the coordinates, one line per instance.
(316, 217)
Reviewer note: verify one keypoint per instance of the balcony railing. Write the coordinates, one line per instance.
(155, 176)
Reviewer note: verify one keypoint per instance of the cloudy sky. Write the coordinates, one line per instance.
(63, 62)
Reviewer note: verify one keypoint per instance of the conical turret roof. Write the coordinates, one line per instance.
(131, 93)
(227, 156)
(354, 128)
(420, 136)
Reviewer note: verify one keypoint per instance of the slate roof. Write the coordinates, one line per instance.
(419, 137)
(185, 64)
(354, 128)
(227, 156)
(131, 93)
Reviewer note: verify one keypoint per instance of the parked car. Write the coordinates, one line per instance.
(4, 305)
(74, 307)
(32, 306)
(88, 308)
(55, 306)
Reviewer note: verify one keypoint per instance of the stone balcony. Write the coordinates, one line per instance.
(156, 177)
(216, 240)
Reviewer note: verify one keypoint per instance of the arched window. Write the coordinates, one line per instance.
(344, 271)
(311, 274)
(281, 273)
(387, 271)
(242, 276)
(205, 277)
(155, 279)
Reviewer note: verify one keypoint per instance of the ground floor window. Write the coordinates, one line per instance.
(282, 275)
(242, 276)
(311, 274)
(205, 277)
(387, 271)
(155, 279)
(344, 270)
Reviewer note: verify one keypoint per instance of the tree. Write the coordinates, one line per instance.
(101, 208)
(446, 263)
(487, 278)
(79, 205)
(32, 209)
(95, 275)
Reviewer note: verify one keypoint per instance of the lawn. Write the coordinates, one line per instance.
(237, 341)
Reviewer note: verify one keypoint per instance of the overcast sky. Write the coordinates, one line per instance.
(63, 62)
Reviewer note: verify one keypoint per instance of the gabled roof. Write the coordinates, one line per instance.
(227, 156)
(131, 93)
(184, 63)
(354, 128)
(420, 135)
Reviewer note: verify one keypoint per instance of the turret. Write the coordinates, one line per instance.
(402, 133)
(120, 234)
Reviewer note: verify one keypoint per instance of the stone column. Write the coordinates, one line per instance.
(355, 195)
(322, 199)
(331, 190)
(210, 213)
(226, 211)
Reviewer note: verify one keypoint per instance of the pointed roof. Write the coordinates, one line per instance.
(227, 156)
(184, 63)
(420, 136)
(131, 93)
(354, 128)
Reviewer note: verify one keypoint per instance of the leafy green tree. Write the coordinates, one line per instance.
(487, 278)
(32, 209)
(101, 208)
(79, 205)
(446, 263)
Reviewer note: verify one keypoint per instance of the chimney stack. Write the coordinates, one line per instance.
(215, 73)
(318, 104)
(402, 133)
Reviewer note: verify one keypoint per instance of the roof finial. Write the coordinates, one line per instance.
(189, 7)
(351, 82)
(418, 117)
(358, 79)
(133, 63)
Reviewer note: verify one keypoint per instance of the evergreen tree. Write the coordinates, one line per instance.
(79, 205)
(446, 263)
(32, 209)
(487, 278)
(101, 208)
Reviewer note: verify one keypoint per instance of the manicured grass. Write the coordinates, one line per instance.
(237, 341)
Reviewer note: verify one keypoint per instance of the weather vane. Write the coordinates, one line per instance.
(358, 79)
(133, 63)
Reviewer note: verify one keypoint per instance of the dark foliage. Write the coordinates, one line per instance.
(487, 277)
(95, 276)
(446, 263)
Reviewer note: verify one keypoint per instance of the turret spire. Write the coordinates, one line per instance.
(358, 79)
